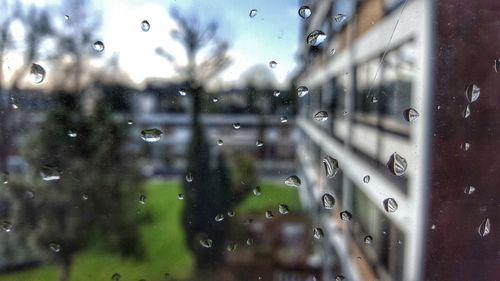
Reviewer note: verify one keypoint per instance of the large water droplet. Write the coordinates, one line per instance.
(283, 209)
(4, 177)
(284, 119)
(484, 228)
(368, 239)
(397, 164)
(116, 277)
(98, 46)
(54, 247)
(339, 17)
(273, 64)
(180, 196)
(142, 199)
(321, 116)
(182, 92)
(37, 73)
(269, 215)
(331, 166)
(231, 246)
(472, 93)
(411, 114)
(259, 143)
(302, 91)
(220, 142)
(189, 177)
(345, 216)
(151, 135)
(390, 205)
(366, 179)
(276, 93)
(236, 126)
(315, 38)
(328, 201)
(293, 181)
(469, 189)
(304, 12)
(66, 17)
(257, 191)
(467, 111)
(253, 13)
(206, 243)
(72, 133)
(318, 233)
(145, 25)
(219, 217)
(49, 173)
(6, 226)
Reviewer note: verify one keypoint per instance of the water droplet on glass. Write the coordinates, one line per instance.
(332, 52)
(182, 92)
(151, 135)
(339, 278)
(467, 111)
(315, 38)
(302, 91)
(411, 114)
(54, 247)
(37, 73)
(130, 122)
(390, 205)
(215, 99)
(49, 173)
(433, 226)
(142, 199)
(145, 25)
(231, 246)
(284, 119)
(66, 17)
(331, 166)
(29, 194)
(98, 46)
(339, 17)
(220, 142)
(345, 216)
(283, 209)
(318, 233)
(273, 64)
(219, 217)
(469, 189)
(180, 196)
(72, 133)
(374, 99)
(293, 181)
(85, 196)
(472, 93)
(249, 241)
(484, 228)
(269, 215)
(465, 146)
(5, 177)
(231, 213)
(304, 12)
(366, 179)
(321, 116)
(368, 239)
(253, 13)
(397, 164)
(257, 191)
(236, 126)
(6, 226)
(328, 201)
(496, 65)
(116, 277)
(259, 143)
(276, 93)
(189, 177)
(206, 243)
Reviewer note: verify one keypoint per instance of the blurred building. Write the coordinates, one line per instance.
(381, 58)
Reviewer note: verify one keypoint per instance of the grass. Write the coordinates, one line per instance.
(163, 239)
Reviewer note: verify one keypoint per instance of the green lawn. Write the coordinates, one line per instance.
(163, 239)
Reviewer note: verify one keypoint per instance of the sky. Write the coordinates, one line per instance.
(271, 35)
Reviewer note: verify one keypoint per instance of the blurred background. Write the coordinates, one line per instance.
(249, 140)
